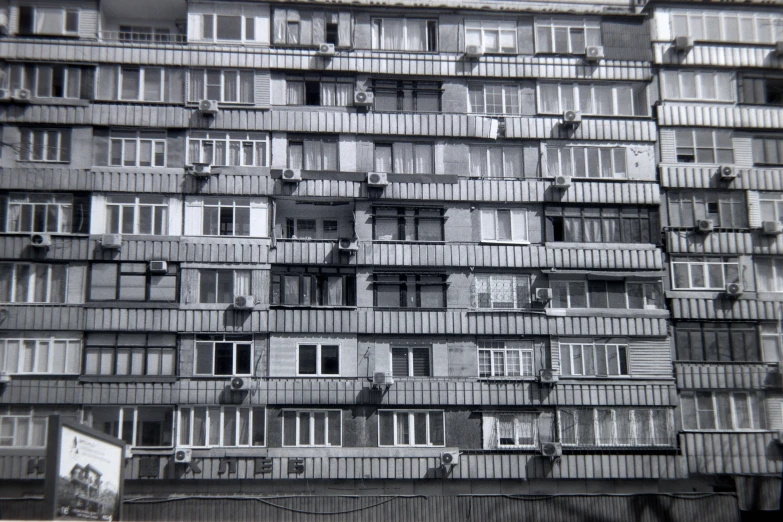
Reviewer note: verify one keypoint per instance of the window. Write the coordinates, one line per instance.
(761, 91)
(139, 427)
(132, 282)
(502, 292)
(141, 83)
(725, 209)
(228, 86)
(313, 154)
(507, 430)
(704, 272)
(504, 224)
(221, 426)
(585, 161)
(494, 98)
(769, 274)
(312, 428)
(602, 225)
(314, 287)
(298, 228)
(615, 99)
(767, 150)
(407, 224)
(607, 294)
(726, 26)
(723, 411)
(716, 342)
(142, 214)
(488, 161)
(49, 145)
(224, 355)
(616, 427)
(220, 286)
(505, 359)
(48, 21)
(411, 428)
(410, 362)
(771, 206)
(48, 81)
(404, 34)
(130, 354)
(704, 146)
(235, 149)
(20, 427)
(32, 283)
(39, 212)
(318, 27)
(133, 33)
(409, 291)
(407, 96)
(698, 85)
(318, 359)
(326, 92)
(493, 36)
(138, 148)
(593, 359)
(228, 28)
(404, 158)
(566, 36)
(40, 356)
(226, 216)
(771, 343)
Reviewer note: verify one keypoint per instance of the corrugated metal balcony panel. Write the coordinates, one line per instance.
(722, 309)
(147, 249)
(685, 176)
(173, 320)
(754, 453)
(693, 242)
(194, 249)
(693, 115)
(590, 129)
(720, 55)
(41, 317)
(315, 321)
(64, 248)
(159, 181)
(45, 178)
(42, 391)
(305, 252)
(715, 375)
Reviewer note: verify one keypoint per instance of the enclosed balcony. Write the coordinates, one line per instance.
(165, 23)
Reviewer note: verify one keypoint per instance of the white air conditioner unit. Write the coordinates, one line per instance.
(292, 175)
(326, 49)
(543, 295)
(683, 44)
(547, 376)
(183, 455)
(474, 51)
(382, 379)
(41, 240)
(593, 53)
(5, 378)
(449, 458)
(727, 173)
(551, 449)
(562, 182)
(572, 118)
(734, 290)
(240, 383)
(377, 179)
(201, 169)
(111, 241)
(244, 302)
(705, 225)
(158, 267)
(5, 96)
(346, 244)
(363, 99)
(22, 95)
(772, 228)
(208, 107)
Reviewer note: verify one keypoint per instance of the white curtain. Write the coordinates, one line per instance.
(512, 166)
(196, 85)
(478, 161)
(246, 87)
(417, 35)
(344, 94)
(242, 282)
(312, 155)
(230, 86)
(403, 158)
(295, 93)
(48, 20)
(295, 155)
(393, 34)
(423, 153)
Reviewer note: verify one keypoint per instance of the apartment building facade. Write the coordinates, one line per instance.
(312, 248)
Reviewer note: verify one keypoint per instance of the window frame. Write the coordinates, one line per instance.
(517, 281)
(187, 415)
(235, 272)
(408, 94)
(210, 20)
(320, 147)
(377, 25)
(634, 429)
(311, 428)
(142, 85)
(767, 150)
(725, 262)
(66, 12)
(406, 286)
(39, 207)
(577, 96)
(222, 139)
(408, 220)
(754, 406)
(15, 415)
(525, 353)
(700, 78)
(312, 285)
(154, 138)
(518, 418)
(622, 360)
(587, 26)
(224, 206)
(398, 155)
(492, 26)
(518, 219)
(485, 156)
(412, 415)
(410, 360)
(617, 167)
(196, 75)
(235, 340)
(775, 270)
(28, 149)
(480, 106)
(771, 204)
(592, 299)
(692, 150)
(570, 224)
(727, 209)
(717, 21)
(141, 202)
(153, 283)
(716, 342)
(99, 345)
(71, 359)
(120, 422)
(319, 360)
(31, 287)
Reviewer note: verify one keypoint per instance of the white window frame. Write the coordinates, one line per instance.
(700, 80)
(121, 411)
(774, 268)
(32, 281)
(18, 77)
(695, 21)
(573, 285)
(141, 87)
(771, 204)
(225, 140)
(571, 365)
(141, 201)
(102, 353)
(186, 420)
(12, 417)
(763, 144)
(211, 19)
(491, 279)
(492, 423)
(501, 350)
(750, 399)
(221, 203)
(29, 136)
(42, 353)
(612, 160)
(234, 373)
(155, 139)
(235, 273)
(705, 262)
(588, 27)
(509, 154)
(318, 362)
(634, 429)
(65, 12)
(410, 350)
(411, 415)
(716, 150)
(576, 91)
(476, 33)
(506, 90)
(236, 98)
(329, 418)
(56, 203)
(519, 225)
(378, 24)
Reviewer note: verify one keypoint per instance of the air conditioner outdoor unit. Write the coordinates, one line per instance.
(727, 173)
(183, 455)
(244, 301)
(546, 376)
(543, 295)
(22, 95)
(734, 290)
(705, 225)
(377, 179)
(326, 49)
(449, 458)
(41, 240)
(593, 53)
(240, 383)
(347, 245)
(551, 449)
(363, 99)
(474, 51)
(382, 379)
(208, 107)
(201, 169)
(5, 378)
(158, 267)
(5, 95)
(292, 175)
(562, 182)
(772, 228)
(779, 48)
(683, 44)
(111, 241)
(572, 118)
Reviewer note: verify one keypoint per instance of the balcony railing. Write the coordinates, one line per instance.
(133, 37)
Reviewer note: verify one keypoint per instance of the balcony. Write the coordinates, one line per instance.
(714, 453)
(132, 36)
(726, 375)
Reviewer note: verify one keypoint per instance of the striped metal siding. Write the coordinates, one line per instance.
(667, 145)
(725, 375)
(589, 129)
(732, 453)
(42, 317)
(650, 357)
(693, 115)
(687, 242)
(262, 89)
(172, 320)
(45, 178)
(686, 176)
(718, 55)
(724, 309)
(63, 248)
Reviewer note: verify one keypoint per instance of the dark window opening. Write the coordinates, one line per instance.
(26, 19)
(331, 33)
(312, 93)
(558, 229)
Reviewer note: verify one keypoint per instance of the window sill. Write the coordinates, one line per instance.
(509, 310)
(45, 162)
(598, 116)
(497, 380)
(313, 307)
(131, 304)
(119, 379)
(500, 242)
(601, 246)
(222, 104)
(51, 100)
